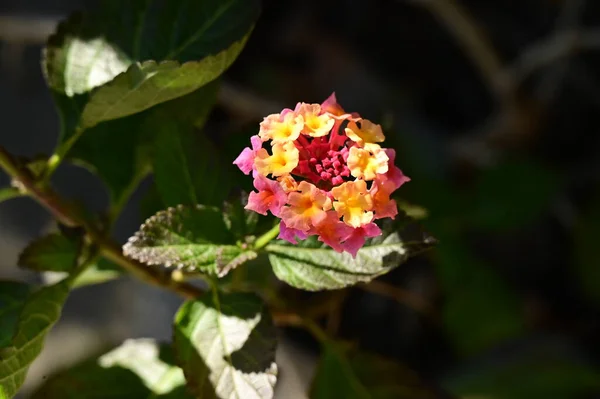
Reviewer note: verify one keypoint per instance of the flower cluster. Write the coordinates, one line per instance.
(323, 174)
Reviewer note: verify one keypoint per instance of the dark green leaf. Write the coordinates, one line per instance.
(480, 310)
(119, 151)
(240, 221)
(510, 195)
(365, 376)
(120, 51)
(226, 346)
(54, 252)
(534, 369)
(311, 266)
(39, 312)
(12, 299)
(587, 232)
(137, 369)
(194, 238)
(187, 167)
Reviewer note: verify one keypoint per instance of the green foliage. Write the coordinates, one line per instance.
(194, 238)
(138, 368)
(311, 266)
(480, 310)
(7, 193)
(587, 232)
(538, 372)
(54, 252)
(151, 53)
(225, 345)
(364, 376)
(187, 167)
(37, 313)
(510, 195)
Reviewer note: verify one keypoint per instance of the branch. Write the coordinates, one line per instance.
(474, 42)
(24, 180)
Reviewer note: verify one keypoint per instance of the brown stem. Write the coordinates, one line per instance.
(24, 180)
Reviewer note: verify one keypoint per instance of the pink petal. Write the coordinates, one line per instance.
(394, 173)
(245, 161)
(358, 237)
(289, 234)
(270, 196)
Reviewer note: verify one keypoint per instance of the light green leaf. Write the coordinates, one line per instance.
(7, 193)
(149, 83)
(139, 368)
(194, 238)
(100, 272)
(311, 266)
(53, 252)
(225, 345)
(39, 312)
(366, 376)
(138, 53)
(13, 296)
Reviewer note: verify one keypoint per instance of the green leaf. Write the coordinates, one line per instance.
(39, 311)
(241, 222)
(365, 376)
(536, 369)
(187, 167)
(587, 231)
(120, 51)
(98, 273)
(54, 252)
(510, 195)
(312, 266)
(139, 368)
(480, 310)
(225, 345)
(194, 238)
(7, 193)
(58, 253)
(12, 299)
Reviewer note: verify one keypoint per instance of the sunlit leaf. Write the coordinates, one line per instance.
(194, 238)
(38, 313)
(226, 346)
(138, 368)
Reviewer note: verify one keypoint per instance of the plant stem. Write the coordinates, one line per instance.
(266, 238)
(70, 217)
(55, 159)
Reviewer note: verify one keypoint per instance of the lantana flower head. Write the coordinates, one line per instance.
(323, 172)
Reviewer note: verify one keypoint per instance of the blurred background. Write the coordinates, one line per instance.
(493, 107)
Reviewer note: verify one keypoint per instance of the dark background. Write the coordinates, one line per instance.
(493, 108)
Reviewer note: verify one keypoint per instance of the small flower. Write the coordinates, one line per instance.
(289, 234)
(307, 207)
(245, 161)
(357, 238)
(332, 231)
(281, 128)
(316, 124)
(366, 163)
(270, 196)
(324, 175)
(353, 203)
(367, 132)
(383, 206)
(282, 162)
